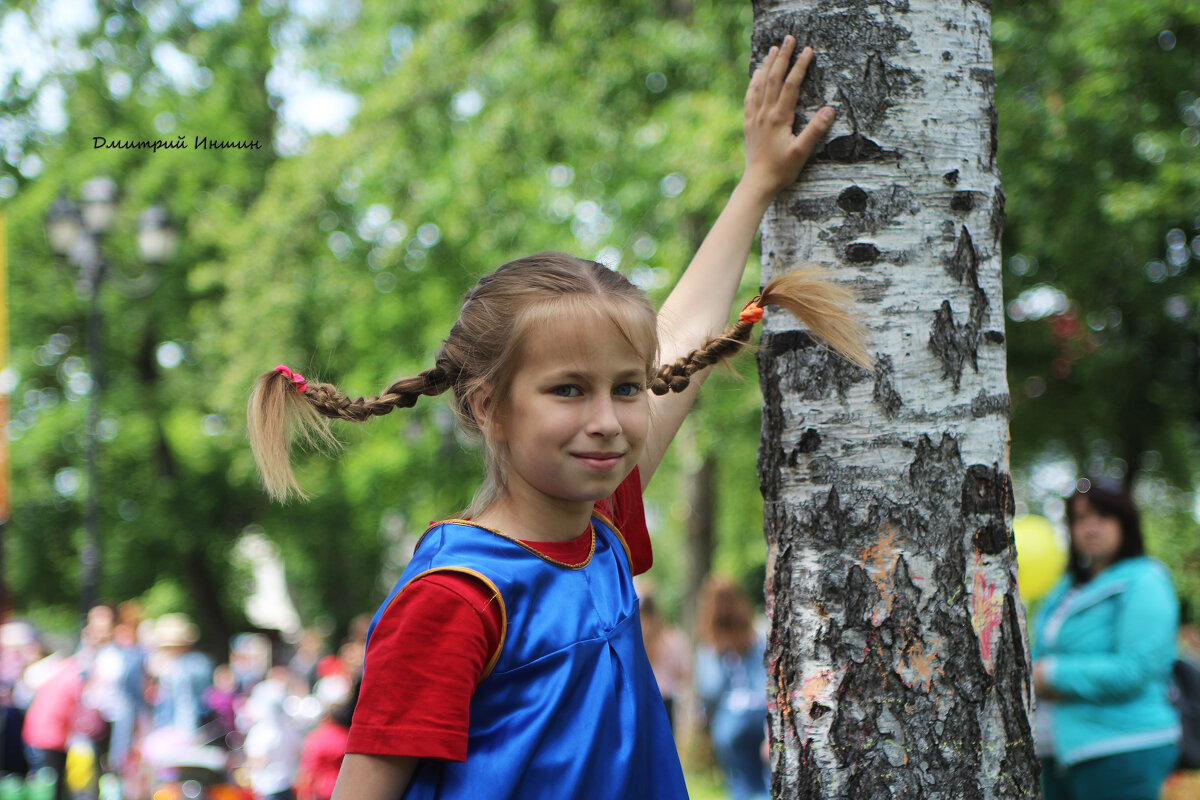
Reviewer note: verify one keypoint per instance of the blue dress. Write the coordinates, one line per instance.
(568, 707)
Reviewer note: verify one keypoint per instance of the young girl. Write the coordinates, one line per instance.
(508, 661)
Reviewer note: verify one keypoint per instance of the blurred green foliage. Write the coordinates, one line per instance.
(485, 131)
(1099, 133)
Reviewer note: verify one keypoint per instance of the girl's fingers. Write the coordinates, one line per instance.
(768, 64)
(778, 68)
(790, 92)
(804, 144)
(754, 92)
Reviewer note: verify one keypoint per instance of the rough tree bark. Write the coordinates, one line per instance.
(897, 657)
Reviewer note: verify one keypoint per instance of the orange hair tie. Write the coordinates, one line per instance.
(753, 312)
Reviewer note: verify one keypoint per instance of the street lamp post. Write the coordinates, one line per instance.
(75, 232)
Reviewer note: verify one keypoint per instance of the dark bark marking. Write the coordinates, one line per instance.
(1020, 769)
(987, 491)
(854, 149)
(884, 393)
(806, 785)
(831, 525)
(811, 370)
(861, 595)
(987, 495)
(935, 464)
(992, 539)
(770, 458)
(862, 253)
(817, 209)
(862, 212)
(998, 214)
(852, 199)
(951, 178)
(953, 344)
(993, 337)
(947, 55)
(984, 77)
(984, 404)
(993, 135)
(962, 201)
(965, 261)
(868, 99)
(870, 291)
(817, 710)
(785, 672)
(872, 732)
(831, 31)
(810, 440)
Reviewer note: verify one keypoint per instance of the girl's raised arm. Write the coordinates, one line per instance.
(364, 777)
(698, 307)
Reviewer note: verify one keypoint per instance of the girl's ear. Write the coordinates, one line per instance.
(484, 409)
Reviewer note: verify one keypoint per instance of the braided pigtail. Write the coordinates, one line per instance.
(329, 402)
(284, 407)
(678, 376)
(823, 306)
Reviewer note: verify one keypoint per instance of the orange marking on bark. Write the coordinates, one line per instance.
(922, 665)
(879, 560)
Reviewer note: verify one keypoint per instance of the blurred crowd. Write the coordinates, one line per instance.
(136, 711)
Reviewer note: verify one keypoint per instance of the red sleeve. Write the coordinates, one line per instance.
(425, 658)
(625, 509)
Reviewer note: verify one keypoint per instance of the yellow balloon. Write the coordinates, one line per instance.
(81, 765)
(1040, 558)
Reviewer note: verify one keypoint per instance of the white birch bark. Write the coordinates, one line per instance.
(897, 661)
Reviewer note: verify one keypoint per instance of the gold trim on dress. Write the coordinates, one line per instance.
(519, 543)
(612, 526)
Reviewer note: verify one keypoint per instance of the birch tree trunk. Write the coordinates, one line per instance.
(897, 658)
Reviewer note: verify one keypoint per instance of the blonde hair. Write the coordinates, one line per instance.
(480, 355)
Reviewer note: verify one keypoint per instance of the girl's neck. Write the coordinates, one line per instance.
(536, 522)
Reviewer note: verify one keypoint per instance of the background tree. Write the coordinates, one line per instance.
(897, 659)
(167, 515)
(1099, 137)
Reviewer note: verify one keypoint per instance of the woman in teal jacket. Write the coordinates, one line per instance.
(1105, 642)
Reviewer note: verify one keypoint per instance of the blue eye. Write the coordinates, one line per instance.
(628, 390)
(566, 390)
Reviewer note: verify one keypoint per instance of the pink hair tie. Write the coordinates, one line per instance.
(295, 377)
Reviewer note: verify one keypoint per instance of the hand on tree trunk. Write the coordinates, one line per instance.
(774, 155)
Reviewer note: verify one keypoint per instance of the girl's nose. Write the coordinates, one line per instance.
(603, 420)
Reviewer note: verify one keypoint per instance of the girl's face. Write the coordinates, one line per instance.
(1096, 536)
(575, 417)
